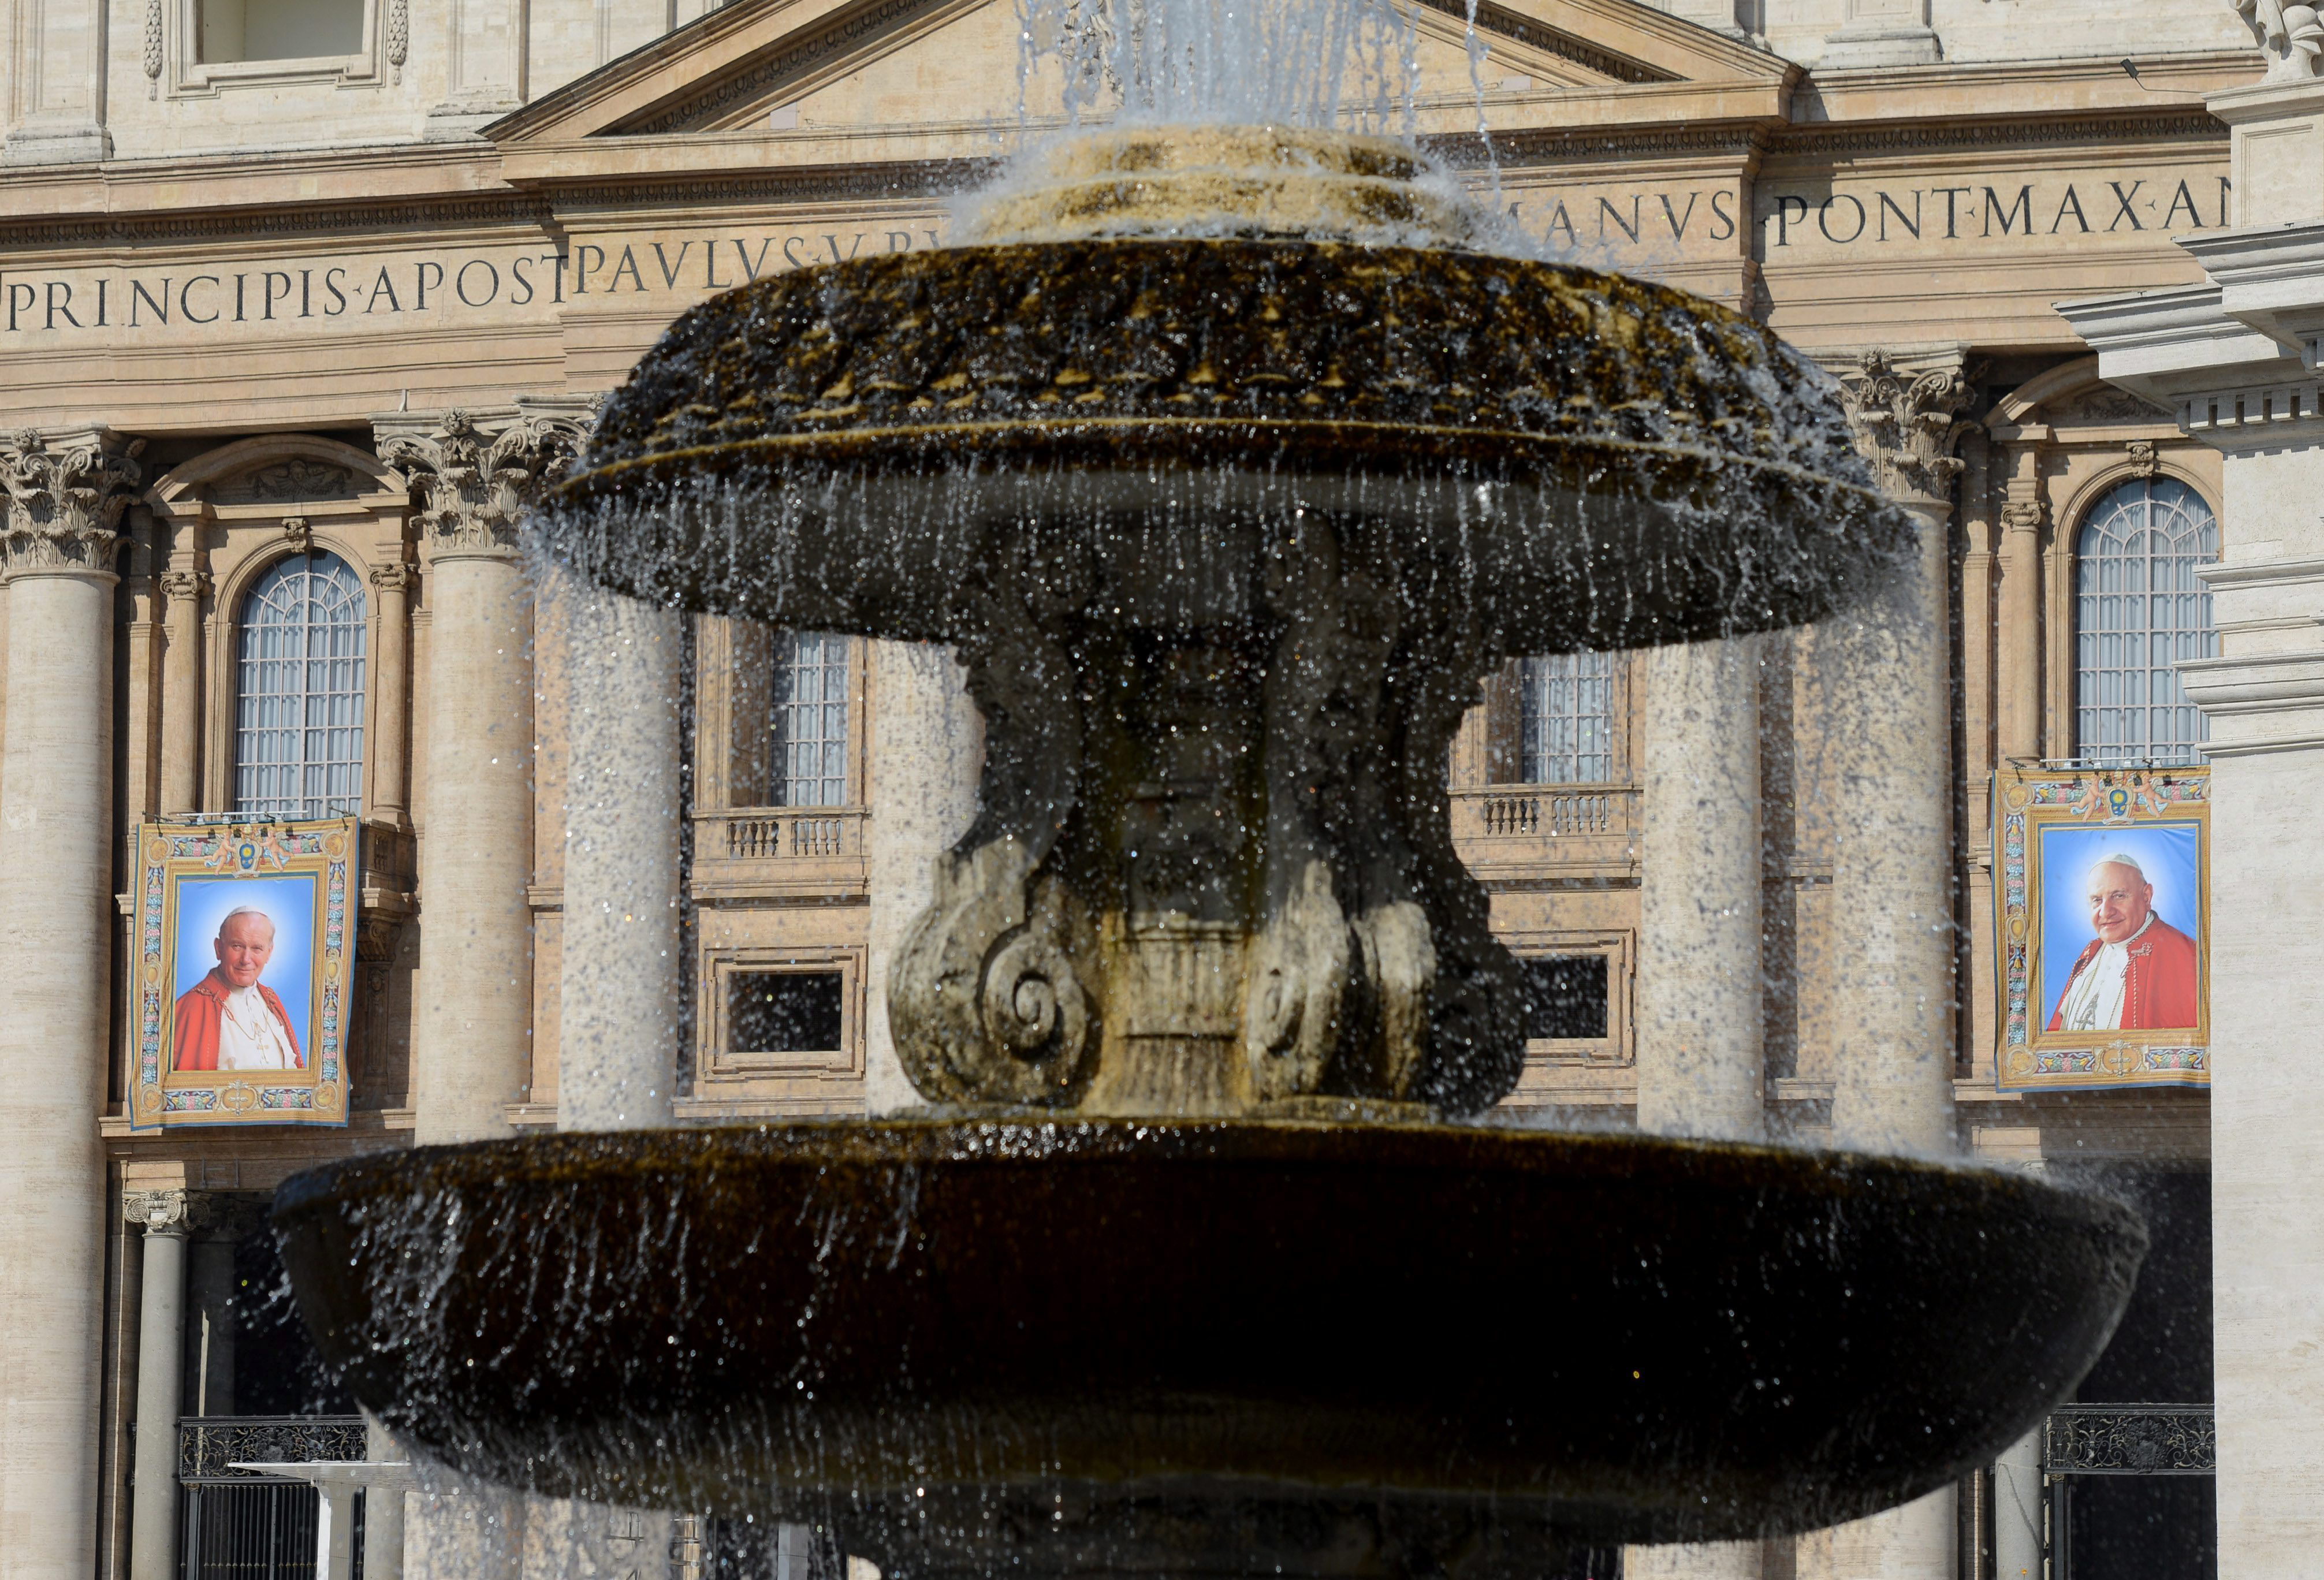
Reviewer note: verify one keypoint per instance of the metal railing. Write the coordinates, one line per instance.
(2131, 1439)
(237, 1525)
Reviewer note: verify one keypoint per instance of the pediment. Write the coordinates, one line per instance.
(819, 68)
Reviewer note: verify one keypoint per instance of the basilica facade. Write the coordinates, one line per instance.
(301, 306)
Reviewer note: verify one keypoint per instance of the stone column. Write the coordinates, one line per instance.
(1892, 871)
(622, 979)
(166, 1216)
(1893, 864)
(1700, 1019)
(65, 495)
(391, 729)
(181, 687)
(473, 1021)
(927, 747)
(1701, 1072)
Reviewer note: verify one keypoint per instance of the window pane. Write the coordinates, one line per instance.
(1567, 703)
(808, 720)
(2140, 611)
(300, 692)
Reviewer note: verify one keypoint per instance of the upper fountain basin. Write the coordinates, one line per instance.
(1136, 427)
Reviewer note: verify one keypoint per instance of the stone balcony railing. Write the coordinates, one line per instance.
(1503, 831)
(739, 852)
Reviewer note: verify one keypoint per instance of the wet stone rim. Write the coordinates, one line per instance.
(1456, 352)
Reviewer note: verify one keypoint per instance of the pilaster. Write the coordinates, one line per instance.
(56, 105)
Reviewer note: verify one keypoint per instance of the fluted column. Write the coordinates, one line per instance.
(621, 975)
(166, 1216)
(473, 1020)
(391, 731)
(181, 687)
(65, 495)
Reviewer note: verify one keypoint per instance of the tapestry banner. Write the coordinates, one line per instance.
(245, 969)
(2104, 927)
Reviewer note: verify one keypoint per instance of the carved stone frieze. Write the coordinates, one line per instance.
(474, 480)
(1906, 423)
(65, 494)
(165, 1212)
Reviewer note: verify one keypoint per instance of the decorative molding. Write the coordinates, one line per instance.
(2023, 516)
(2145, 462)
(474, 484)
(386, 219)
(66, 495)
(166, 1212)
(153, 49)
(2131, 1439)
(1549, 146)
(1488, 17)
(2291, 35)
(2173, 126)
(188, 585)
(398, 29)
(720, 97)
(299, 533)
(293, 479)
(1907, 423)
(393, 578)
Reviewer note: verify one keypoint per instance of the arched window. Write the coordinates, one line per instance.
(2139, 611)
(300, 692)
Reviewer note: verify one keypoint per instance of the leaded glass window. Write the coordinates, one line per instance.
(2139, 613)
(1566, 710)
(809, 709)
(298, 711)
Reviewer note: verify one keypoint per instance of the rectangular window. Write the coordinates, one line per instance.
(783, 1012)
(807, 719)
(1566, 997)
(278, 29)
(1566, 718)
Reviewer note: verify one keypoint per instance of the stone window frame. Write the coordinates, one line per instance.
(1618, 1048)
(1489, 746)
(385, 28)
(722, 704)
(724, 1073)
(2062, 565)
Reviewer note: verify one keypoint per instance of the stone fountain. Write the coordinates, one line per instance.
(1231, 463)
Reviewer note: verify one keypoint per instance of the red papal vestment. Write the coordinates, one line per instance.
(199, 1008)
(2158, 987)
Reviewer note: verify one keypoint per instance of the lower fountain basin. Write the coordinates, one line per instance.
(1233, 1346)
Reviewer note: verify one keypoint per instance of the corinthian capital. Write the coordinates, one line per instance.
(163, 1212)
(66, 493)
(474, 478)
(1906, 422)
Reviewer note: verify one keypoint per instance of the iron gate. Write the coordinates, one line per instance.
(236, 1526)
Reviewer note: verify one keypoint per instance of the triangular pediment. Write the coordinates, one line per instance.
(825, 67)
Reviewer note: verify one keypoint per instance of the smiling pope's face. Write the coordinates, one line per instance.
(2120, 902)
(245, 945)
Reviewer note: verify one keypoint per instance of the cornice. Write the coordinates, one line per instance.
(1548, 145)
(760, 77)
(386, 217)
(2174, 124)
(902, 182)
(1500, 19)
